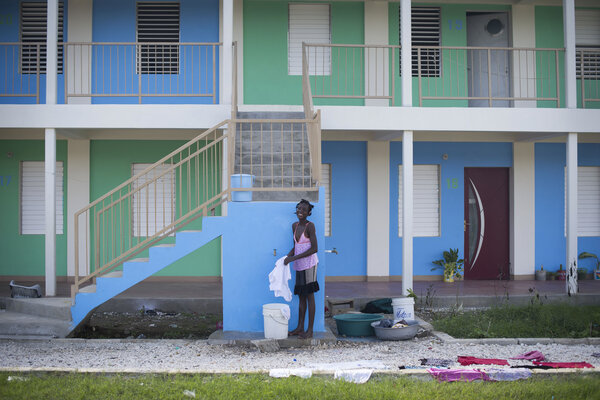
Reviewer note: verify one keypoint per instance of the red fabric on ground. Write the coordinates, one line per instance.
(468, 360)
(564, 364)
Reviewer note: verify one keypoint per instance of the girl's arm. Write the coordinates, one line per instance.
(290, 255)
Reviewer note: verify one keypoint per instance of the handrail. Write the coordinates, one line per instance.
(313, 127)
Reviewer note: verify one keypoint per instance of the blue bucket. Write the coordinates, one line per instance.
(241, 181)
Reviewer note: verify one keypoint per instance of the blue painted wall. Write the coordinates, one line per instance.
(550, 241)
(11, 80)
(114, 21)
(252, 231)
(460, 155)
(348, 207)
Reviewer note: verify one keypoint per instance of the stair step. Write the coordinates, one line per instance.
(113, 274)
(141, 259)
(49, 307)
(20, 325)
(88, 289)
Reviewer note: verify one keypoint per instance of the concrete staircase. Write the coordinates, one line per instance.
(42, 318)
(276, 153)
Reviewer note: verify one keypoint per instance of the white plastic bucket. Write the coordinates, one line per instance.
(276, 320)
(404, 308)
(241, 181)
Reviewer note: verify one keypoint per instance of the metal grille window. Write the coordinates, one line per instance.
(425, 31)
(34, 17)
(587, 39)
(157, 24)
(426, 200)
(32, 202)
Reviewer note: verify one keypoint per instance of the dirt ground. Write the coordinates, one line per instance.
(150, 324)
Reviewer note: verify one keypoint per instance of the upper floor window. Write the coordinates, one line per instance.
(309, 23)
(587, 40)
(33, 28)
(426, 32)
(157, 23)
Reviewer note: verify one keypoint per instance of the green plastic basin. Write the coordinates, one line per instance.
(356, 324)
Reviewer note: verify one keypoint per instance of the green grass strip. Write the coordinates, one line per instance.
(535, 320)
(256, 386)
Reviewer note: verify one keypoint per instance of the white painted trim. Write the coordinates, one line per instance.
(406, 46)
(50, 211)
(78, 196)
(523, 209)
(227, 70)
(378, 209)
(570, 65)
(51, 52)
(79, 29)
(238, 36)
(407, 211)
(376, 32)
(571, 261)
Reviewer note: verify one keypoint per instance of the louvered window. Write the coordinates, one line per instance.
(309, 23)
(154, 204)
(426, 200)
(33, 208)
(158, 25)
(426, 31)
(587, 39)
(588, 204)
(34, 16)
(326, 184)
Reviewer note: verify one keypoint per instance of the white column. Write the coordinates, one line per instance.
(571, 102)
(378, 210)
(78, 196)
(227, 70)
(407, 211)
(570, 65)
(50, 151)
(78, 59)
(523, 211)
(50, 212)
(406, 43)
(571, 262)
(524, 62)
(377, 71)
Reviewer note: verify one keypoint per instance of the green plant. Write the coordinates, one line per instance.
(411, 293)
(451, 265)
(584, 254)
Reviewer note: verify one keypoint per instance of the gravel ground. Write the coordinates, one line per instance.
(118, 355)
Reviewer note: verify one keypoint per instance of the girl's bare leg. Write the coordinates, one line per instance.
(311, 316)
(301, 313)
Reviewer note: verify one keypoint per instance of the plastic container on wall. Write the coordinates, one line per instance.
(241, 181)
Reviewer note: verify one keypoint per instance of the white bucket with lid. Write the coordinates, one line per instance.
(404, 308)
(276, 317)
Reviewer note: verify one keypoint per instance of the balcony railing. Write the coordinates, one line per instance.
(449, 76)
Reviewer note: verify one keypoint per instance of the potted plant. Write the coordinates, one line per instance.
(581, 273)
(584, 254)
(451, 265)
(541, 274)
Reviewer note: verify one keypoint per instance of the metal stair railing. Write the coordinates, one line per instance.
(153, 204)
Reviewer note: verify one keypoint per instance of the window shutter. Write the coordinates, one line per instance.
(309, 23)
(425, 31)
(587, 34)
(426, 200)
(326, 184)
(33, 210)
(588, 205)
(34, 17)
(154, 205)
(158, 22)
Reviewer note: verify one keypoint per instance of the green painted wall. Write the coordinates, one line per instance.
(452, 82)
(24, 254)
(549, 34)
(266, 79)
(111, 164)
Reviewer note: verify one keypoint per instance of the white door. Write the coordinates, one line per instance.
(488, 69)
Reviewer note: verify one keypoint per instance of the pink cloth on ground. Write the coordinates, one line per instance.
(531, 355)
(300, 246)
(564, 364)
(453, 375)
(467, 360)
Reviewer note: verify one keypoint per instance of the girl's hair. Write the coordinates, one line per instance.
(307, 203)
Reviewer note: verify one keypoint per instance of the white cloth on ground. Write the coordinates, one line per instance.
(287, 372)
(354, 375)
(278, 280)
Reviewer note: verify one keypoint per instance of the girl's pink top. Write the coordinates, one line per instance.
(300, 246)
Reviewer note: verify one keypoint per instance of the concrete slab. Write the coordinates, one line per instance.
(24, 325)
(237, 338)
(47, 307)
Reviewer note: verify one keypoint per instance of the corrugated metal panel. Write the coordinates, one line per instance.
(587, 27)
(33, 199)
(426, 200)
(309, 23)
(158, 22)
(154, 205)
(326, 184)
(34, 17)
(588, 201)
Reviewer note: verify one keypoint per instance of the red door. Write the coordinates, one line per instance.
(486, 223)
